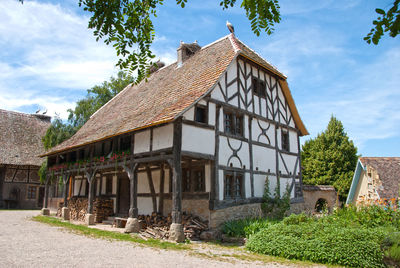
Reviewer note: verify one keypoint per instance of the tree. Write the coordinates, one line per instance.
(96, 97)
(386, 22)
(330, 159)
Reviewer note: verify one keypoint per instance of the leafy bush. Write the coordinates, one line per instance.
(296, 219)
(244, 227)
(313, 241)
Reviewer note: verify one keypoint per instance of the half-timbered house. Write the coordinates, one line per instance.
(20, 144)
(202, 135)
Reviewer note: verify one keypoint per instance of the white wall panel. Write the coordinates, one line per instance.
(259, 183)
(293, 141)
(211, 114)
(197, 139)
(163, 137)
(247, 186)
(264, 158)
(142, 142)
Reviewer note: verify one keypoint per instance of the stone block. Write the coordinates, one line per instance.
(45, 211)
(176, 233)
(65, 214)
(210, 235)
(89, 219)
(132, 225)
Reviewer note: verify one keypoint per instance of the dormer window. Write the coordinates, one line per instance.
(258, 87)
(200, 114)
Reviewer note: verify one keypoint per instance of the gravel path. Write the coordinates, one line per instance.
(25, 243)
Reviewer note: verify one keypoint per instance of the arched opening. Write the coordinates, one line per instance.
(321, 205)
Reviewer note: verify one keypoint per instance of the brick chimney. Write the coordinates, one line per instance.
(185, 51)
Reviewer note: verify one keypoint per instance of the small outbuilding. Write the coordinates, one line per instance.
(376, 181)
(317, 198)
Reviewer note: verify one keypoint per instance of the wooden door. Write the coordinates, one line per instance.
(123, 195)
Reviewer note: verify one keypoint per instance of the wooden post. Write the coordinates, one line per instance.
(132, 175)
(177, 173)
(90, 176)
(161, 198)
(151, 186)
(46, 191)
(65, 178)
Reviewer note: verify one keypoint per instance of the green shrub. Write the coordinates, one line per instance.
(296, 219)
(313, 241)
(244, 227)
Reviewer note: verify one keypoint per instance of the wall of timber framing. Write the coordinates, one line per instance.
(264, 145)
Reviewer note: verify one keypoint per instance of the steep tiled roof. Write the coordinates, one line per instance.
(21, 138)
(166, 94)
(388, 169)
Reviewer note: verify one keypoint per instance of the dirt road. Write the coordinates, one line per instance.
(25, 243)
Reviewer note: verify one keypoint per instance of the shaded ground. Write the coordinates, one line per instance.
(24, 243)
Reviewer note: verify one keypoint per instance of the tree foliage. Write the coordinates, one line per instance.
(128, 25)
(96, 97)
(387, 21)
(330, 158)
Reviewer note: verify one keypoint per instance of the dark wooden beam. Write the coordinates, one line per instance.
(131, 171)
(151, 186)
(251, 156)
(177, 173)
(90, 176)
(161, 198)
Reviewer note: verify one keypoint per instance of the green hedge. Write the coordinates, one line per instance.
(313, 241)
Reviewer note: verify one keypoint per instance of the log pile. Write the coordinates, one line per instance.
(102, 208)
(157, 226)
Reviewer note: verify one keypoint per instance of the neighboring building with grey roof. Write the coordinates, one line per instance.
(20, 147)
(375, 179)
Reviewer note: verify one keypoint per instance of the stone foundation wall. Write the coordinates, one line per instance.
(218, 217)
(197, 207)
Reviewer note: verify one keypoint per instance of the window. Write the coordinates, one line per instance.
(285, 141)
(201, 114)
(233, 123)
(258, 87)
(31, 192)
(233, 188)
(196, 183)
(125, 143)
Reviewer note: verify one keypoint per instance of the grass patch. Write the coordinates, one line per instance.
(92, 232)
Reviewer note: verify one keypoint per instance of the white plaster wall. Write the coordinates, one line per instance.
(114, 184)
(264, 159)
(142, 142)
(208, 177)
(197, 139)
(272, 185)
(256, 105)
(225, 152)
(163, 137)
(279, 138)
(285, 184)
(189, 114)
(233, 101)
(293, 146)
(143, 183)
(145, 205)
(246, 126)
(211, 114)
(247, 183)
(216, 93)
(256, 131)
(221, 185)
(202, 102)
(290, 161)
(259, 183)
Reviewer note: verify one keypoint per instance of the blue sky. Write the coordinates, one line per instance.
(48, 59)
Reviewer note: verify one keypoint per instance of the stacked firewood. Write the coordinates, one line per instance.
(78, 208)
(157, 226)
(102, 209)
